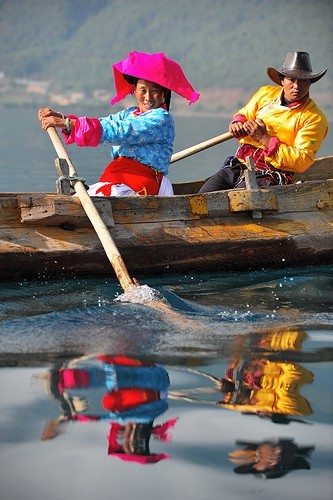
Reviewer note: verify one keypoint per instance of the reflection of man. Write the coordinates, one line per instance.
(258, 384)
(270, 459)
(267, 387)
(277, 390)
(124, 391)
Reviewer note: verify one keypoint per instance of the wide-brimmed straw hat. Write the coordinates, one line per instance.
(296, 65)
(157, 68)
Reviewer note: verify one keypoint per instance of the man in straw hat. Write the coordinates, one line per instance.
(271, 459)
(141, 136)
(281, 128)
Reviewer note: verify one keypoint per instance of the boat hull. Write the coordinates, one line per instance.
(45, 235)
(69, 246)
(50, 253)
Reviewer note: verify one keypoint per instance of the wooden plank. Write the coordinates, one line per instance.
(63, 184)
(322, 169)
(250, 174)
(189, 187)
(252, 185)
(56, 210)
(305, 197)
(9, 214)
(256, 199)
(52, 210)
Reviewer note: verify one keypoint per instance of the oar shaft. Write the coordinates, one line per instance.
(102, 231)
(200, 147)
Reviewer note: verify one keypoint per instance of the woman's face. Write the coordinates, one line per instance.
(149, 95)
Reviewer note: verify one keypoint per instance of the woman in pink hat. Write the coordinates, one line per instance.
(142, 136)
(281, 128)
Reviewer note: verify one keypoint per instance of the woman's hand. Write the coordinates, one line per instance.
(49, 118)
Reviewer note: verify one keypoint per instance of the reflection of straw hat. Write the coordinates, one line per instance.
(157, 68)
(296, 65)
(291, 458)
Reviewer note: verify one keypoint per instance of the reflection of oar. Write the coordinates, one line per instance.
(200, 147)
(101, 230)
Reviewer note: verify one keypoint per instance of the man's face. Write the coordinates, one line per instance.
(295, 89)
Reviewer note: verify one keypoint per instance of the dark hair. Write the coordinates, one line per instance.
(227, 385)
(133, 80)
(141, 437)
(167, 98)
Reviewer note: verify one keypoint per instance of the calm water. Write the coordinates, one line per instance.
(269, 332)
(27, 154)
(105, 398)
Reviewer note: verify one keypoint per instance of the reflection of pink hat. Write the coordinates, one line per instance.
(141, 459)
(157, 68)
(143, 456)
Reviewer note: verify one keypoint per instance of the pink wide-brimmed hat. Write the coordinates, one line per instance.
(157, 68)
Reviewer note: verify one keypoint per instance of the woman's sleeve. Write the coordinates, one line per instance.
(87, 132)
(148, 127)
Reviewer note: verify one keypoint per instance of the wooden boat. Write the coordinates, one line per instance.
(49, 235)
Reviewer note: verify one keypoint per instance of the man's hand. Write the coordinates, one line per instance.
(237, 130)
(257, 130)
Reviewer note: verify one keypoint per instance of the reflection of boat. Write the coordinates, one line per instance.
(49, 234)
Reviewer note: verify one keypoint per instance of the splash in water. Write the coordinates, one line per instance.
(141, 295)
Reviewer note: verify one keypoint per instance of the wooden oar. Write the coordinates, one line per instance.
(200, 147)
(101, 230)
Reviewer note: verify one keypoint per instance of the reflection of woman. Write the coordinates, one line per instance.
(124, 391)
(135, 390)
(141, 137)
(270, 459)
